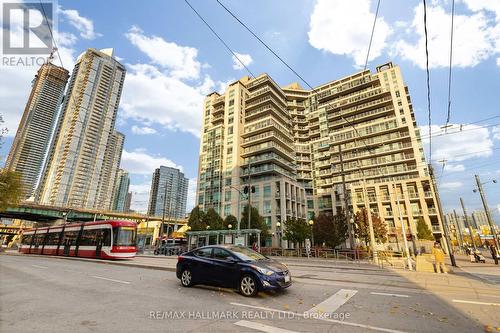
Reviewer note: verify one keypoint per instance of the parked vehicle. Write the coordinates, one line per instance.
(234, 267)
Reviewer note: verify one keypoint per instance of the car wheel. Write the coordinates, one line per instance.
(186, 278)
(248, 286)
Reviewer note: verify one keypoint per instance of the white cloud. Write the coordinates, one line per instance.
(246, 59)
(450, 185)
(472, 142)
(139, 162)
(191, 197)
(498, 62)
(179, 61)
(143, 130)
(454, 167)
(496, 132)
(344, 28)
(151, 96)
(486, 5)
(84, 25)
(474, 39)
(158, 92)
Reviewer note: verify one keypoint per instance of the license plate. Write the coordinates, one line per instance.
(287, 278)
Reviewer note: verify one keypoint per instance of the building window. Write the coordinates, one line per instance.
(227, 195)
(227, 209)
(267, 191)
(231, 102)
(267, 207)
(230, 130)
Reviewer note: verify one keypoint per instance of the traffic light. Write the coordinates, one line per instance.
(245, 190)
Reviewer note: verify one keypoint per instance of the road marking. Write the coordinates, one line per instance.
(386, 294)
(37, 266)
(262, 327)
(341, 322)
(332, 303)
(113, 280)
(473, 302)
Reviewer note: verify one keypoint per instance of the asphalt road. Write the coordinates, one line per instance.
(41, 294)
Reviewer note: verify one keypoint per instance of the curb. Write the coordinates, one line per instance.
(99, 261)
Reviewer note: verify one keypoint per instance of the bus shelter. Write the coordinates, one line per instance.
(215, 237)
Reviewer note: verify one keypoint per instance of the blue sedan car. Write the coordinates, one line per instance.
(234, 267)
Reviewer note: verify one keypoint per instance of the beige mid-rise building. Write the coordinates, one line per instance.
(363, 124)
(247, 141)
(83, 166)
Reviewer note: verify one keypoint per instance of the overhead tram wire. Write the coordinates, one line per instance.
(448, 116)
(428, 80)
(267, 46)
(371, 36)
(220, 38)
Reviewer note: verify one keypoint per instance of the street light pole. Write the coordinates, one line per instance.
(467, 225)
(487, 210)
(460, 238)
(370, 222)
(403, 226)
(311, 223)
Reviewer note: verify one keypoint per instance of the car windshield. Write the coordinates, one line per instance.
(246, 254)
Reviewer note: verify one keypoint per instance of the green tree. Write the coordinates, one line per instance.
(230, 220)
(423, 231)
(197, 219)
(362, 228)
(256, 222)
(296, 231)
(330, 229)
(213, 219)
(11, 192)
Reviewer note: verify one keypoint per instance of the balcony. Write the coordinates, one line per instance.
(436, 228)
(432, 211)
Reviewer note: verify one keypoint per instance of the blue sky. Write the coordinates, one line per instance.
(173, 60)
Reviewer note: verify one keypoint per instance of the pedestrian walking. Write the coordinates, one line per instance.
(439, 265)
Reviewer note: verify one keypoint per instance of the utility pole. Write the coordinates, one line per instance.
(163, 211)
(404, 232)
(370, 222)
(249, 193)
(487, 210)
(460, 237)
(467, 225)
(346, 200)
(445, 230)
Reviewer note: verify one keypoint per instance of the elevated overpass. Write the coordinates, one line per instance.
(51, 214)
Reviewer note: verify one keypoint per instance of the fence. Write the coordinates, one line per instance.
(324, 253)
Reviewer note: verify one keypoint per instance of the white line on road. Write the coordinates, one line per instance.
(386, 294)
(37, 266)
(262, 327)
(473, 302)
(332, 303)
(113, 280)
(341, 322)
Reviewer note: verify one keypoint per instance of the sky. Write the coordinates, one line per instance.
(173, 61)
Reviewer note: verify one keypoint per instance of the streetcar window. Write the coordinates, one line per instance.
(124, 236)
(70, 236)
(26, 240)
(106, 236)
(89, 238)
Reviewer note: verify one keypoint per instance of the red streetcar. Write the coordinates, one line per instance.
(99, 239)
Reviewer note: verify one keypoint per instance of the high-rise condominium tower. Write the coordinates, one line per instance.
(168, 195)
(85, 159)
(360, 128)
(34, 134)
(121, 191)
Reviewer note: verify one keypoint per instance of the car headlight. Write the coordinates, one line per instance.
(262, 270)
